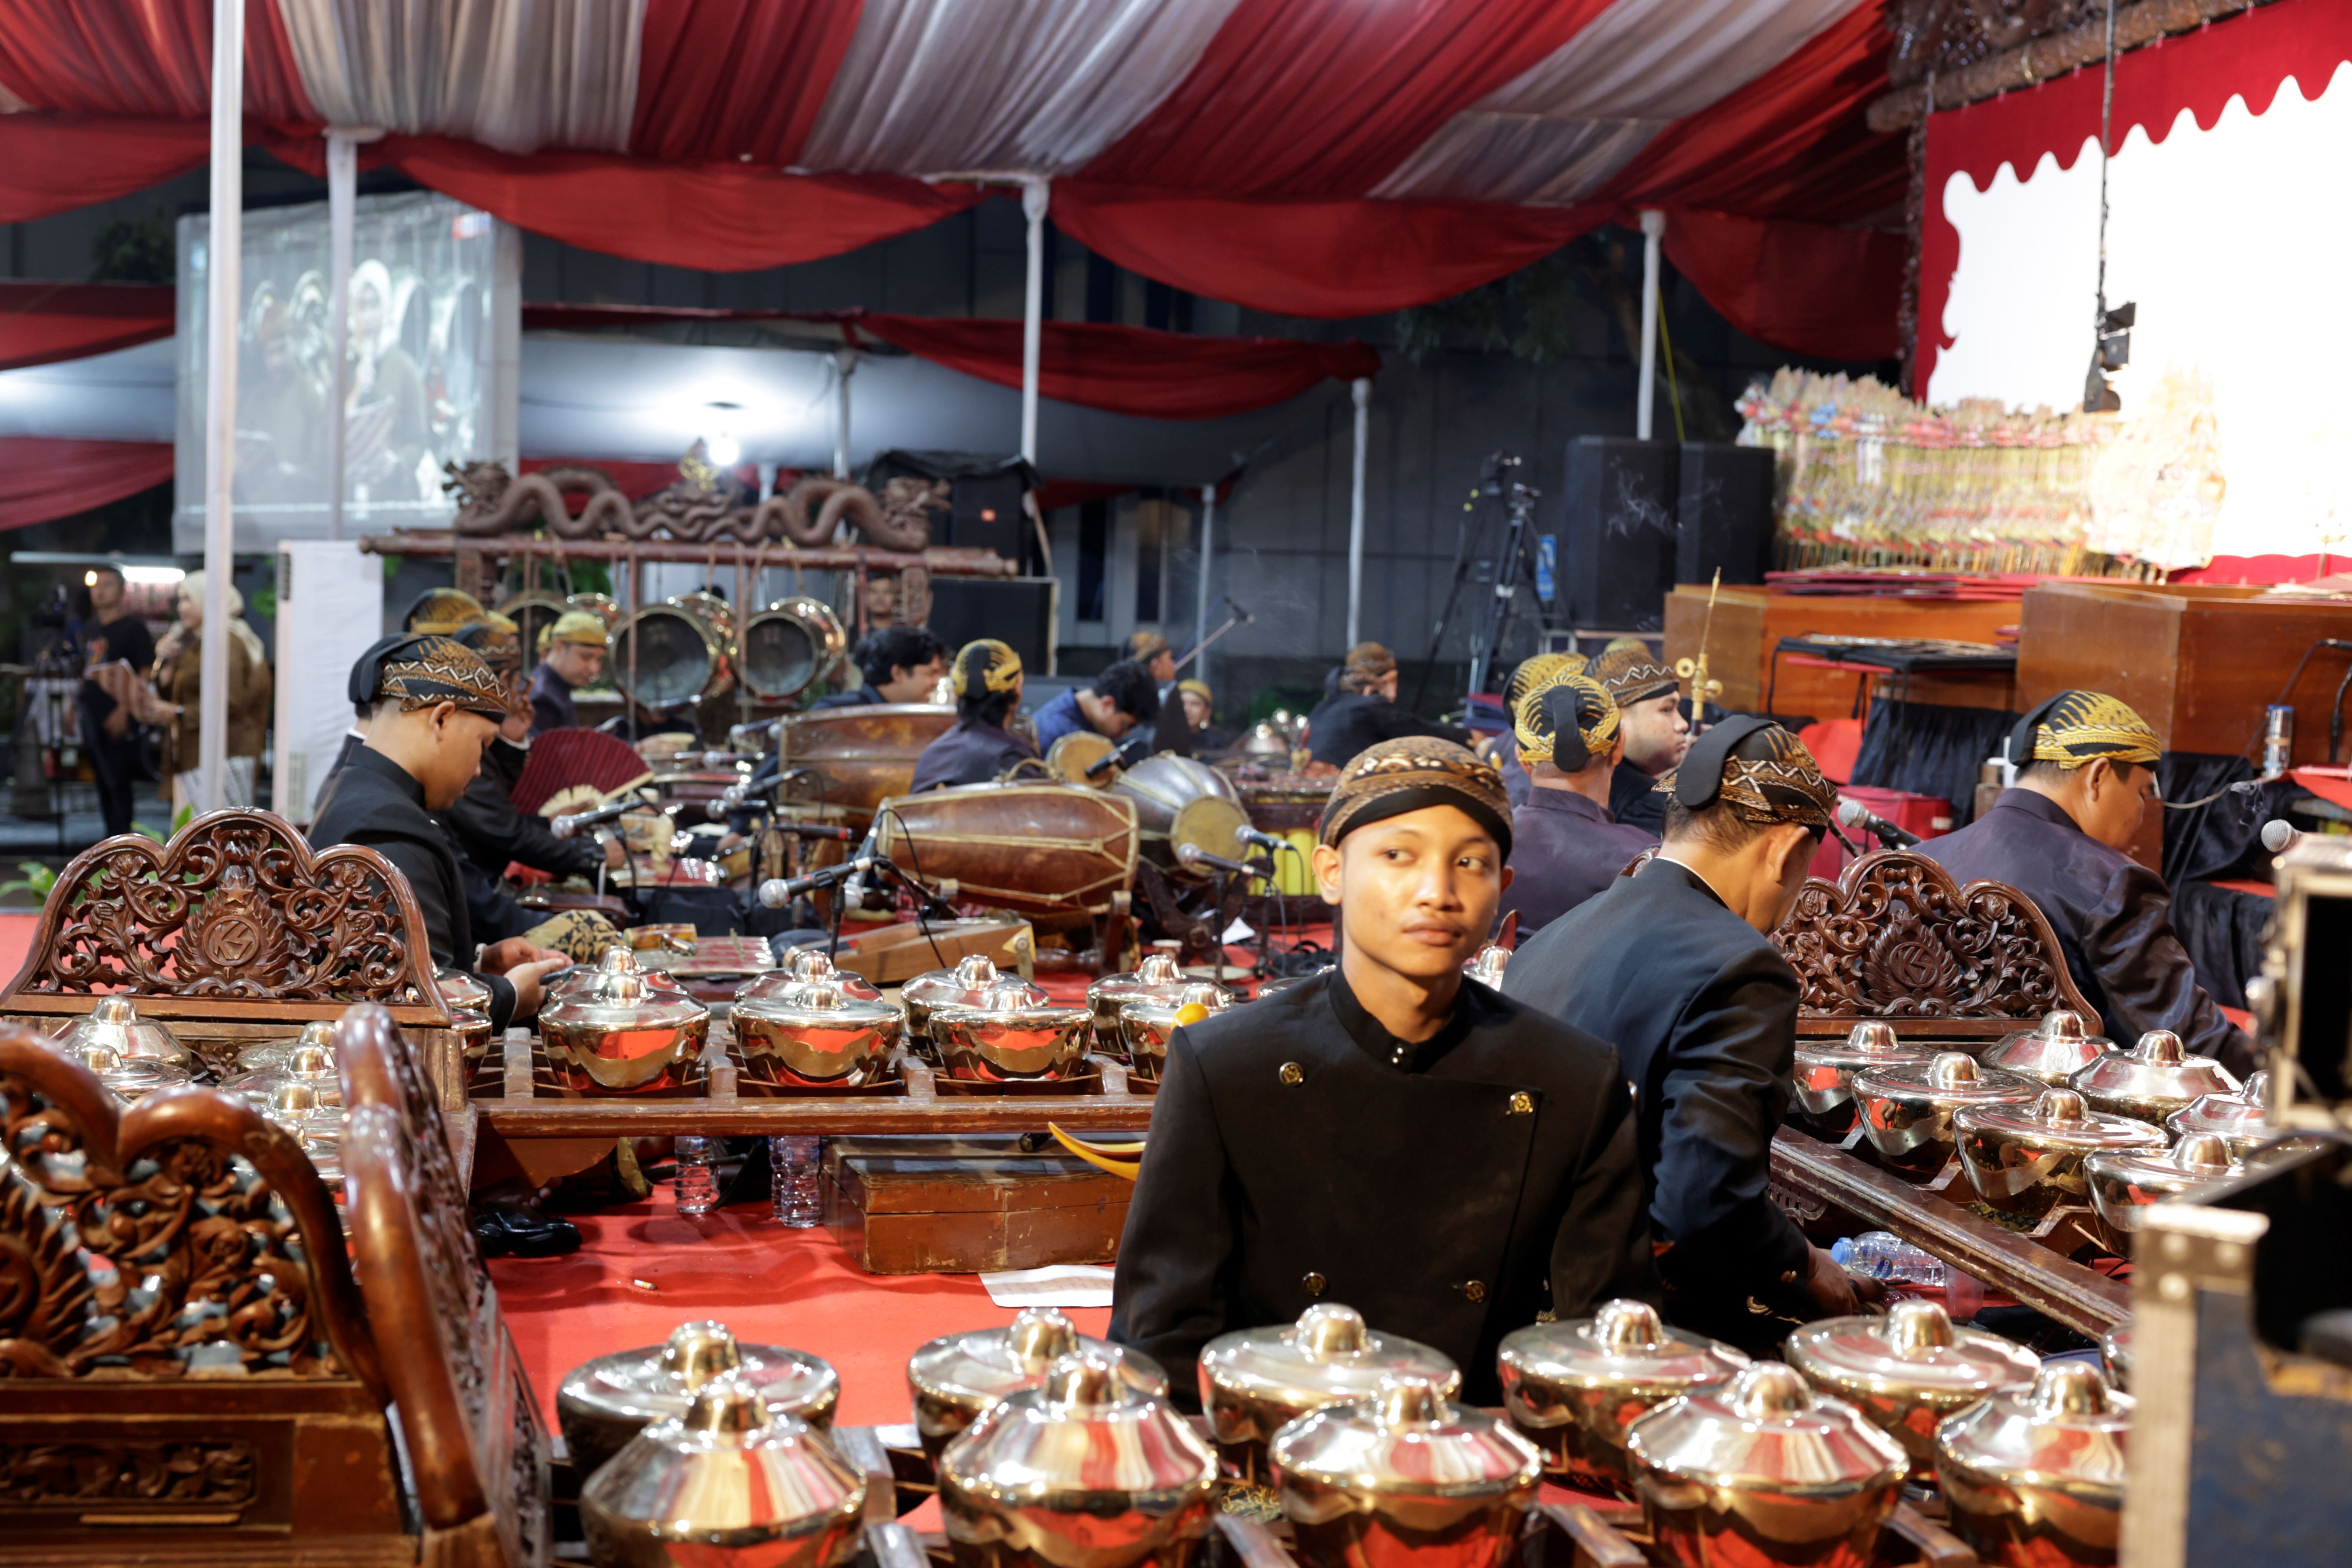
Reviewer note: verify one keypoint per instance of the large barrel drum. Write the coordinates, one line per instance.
(861, 756)
(1180, 801)
(680, 650)
(789, 647)
(1044, 850)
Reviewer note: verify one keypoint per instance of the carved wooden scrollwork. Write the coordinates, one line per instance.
(184, 1233)
(235, 909)
(471, 1424)
(1894, 937)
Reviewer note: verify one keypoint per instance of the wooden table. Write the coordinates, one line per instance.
(1750, 622)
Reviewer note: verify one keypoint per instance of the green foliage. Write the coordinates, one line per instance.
(36, 880)
(182, 816)
(263, 601)
(133, 250)
(1530, 313)
(146, 832)
(391, 567)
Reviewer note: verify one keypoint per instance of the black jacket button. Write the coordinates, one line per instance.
(1313, 1283)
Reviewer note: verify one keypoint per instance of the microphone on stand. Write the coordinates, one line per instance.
(2278, 833)
(778, 892)
(1193, 854)
(1265, 841)
(566, 826)
(1854, 814)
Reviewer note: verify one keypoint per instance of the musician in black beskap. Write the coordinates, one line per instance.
(987, 679)
(1363, 712)
(898, 664)
(1657, 731)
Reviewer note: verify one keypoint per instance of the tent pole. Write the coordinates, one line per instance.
(1200, 590)
(1653, 228)
(1035, 192)
(343, 212)
(224, 289)
(1361, 391)
(844, 362)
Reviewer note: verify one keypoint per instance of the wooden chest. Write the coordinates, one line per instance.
(968, 1206)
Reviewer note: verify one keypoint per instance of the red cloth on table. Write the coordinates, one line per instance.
(1132, 370)
(40, 323)
(48, 477)
(768, 1283)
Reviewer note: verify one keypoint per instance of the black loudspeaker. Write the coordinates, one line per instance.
(984, 494)
(1618, 553)
(1723, 513)
(1015, 611)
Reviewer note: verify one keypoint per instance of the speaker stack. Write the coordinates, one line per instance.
(1644, 515)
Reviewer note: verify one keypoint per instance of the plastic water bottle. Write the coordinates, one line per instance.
(698, 1175)
(792, 1164)
(1882, 1255)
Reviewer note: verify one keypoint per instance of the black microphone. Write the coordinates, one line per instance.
(1118, 754)
(566, 826)
(1265, 841)
(1854, 814)
(778, 892)
(817, 830)
(2278, 833)
(1194, 856)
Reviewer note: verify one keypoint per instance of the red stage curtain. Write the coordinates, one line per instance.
(1325, 98)
(2251, 55)
(1802, 287)
(1329, 260)
(722, 80)
(40, 323)
(1131, 370)
(43, 478)
(152, 59)
(719, 217)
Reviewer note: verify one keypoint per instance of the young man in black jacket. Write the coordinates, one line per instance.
(1389, 1135)
(1673, 967)
(1364, 713)
(899, 663)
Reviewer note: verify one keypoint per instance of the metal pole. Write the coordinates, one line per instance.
(342, 210)
(224, 289)
(1035, 192)
(1653, 228)
(1361, 390)
(844, 362)
(1200, 590)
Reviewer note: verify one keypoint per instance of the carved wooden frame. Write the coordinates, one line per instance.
(1894, 937)
(476, 1447)
(256, 926)
(52, 1212)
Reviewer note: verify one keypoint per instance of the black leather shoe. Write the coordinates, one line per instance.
(503, 1226)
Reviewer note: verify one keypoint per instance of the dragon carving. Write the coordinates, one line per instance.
(705, 505)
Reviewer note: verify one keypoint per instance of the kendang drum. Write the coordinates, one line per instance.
(857, 757)
(788, 647)
(681, 650)
(1047, 851)
(1177, 801)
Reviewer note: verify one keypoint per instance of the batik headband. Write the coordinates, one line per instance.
(1758, 768)
(2075, 727)
(1567, 721)
(1407, 775)
(432, 670)
(986, 665)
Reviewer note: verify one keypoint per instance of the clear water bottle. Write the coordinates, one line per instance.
(792, 1164)
(698, 1175)
(1882, 1255)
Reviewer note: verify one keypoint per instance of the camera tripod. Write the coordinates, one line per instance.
(1513, 568)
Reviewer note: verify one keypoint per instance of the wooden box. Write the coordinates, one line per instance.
(1750, 622)
(968, 1206)
(894, 954)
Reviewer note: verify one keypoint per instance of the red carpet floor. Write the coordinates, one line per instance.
(767, 1283)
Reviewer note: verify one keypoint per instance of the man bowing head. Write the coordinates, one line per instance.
(1388, 1135)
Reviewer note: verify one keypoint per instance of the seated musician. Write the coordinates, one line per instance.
(2059, 837)
(488, 827)
(1389, 1135)
(986, 676)
(1115, 703)
(1673, 967)
(1570, 849)
(570, 655)
(436, 707)
(1504, 751)
(1363, 712)
(1657, 731)
(1199, 705)
(899, 663)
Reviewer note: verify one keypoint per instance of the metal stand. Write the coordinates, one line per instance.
(1512, 568)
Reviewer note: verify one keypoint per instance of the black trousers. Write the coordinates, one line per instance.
(115, 760)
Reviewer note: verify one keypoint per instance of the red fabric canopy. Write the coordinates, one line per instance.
(1327, 259)
(56, 163)
(737, 79)
(44, 321)
(1801, 287)
(1132, 370)
(43, 478)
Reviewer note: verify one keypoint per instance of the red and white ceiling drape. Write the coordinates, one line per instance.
(1323, 158)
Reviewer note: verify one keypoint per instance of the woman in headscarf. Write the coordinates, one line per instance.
(179, 665)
